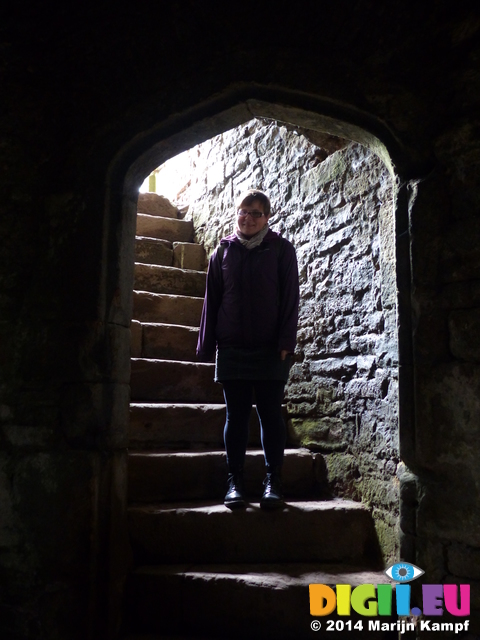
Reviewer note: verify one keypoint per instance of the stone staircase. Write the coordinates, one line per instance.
(201, 570)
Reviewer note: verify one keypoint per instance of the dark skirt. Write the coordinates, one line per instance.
(234, 363)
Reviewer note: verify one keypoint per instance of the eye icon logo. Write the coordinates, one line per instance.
(403, 572)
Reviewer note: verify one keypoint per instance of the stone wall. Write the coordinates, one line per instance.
(446, 285)
(336, 204)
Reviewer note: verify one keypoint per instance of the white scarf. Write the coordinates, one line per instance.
(253, 241)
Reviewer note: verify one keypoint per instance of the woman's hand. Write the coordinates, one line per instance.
(283, 354)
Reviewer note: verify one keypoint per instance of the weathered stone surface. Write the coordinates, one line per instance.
(174, 381)
(330, 531)
(169, 342)
(172, 309)
(324, 434)
(154, 477)
(160, 279)
(275, 597)
(177, 426)
(164, 228)
(153, 251)
(163, 426)
(187, 255)
(156, 205)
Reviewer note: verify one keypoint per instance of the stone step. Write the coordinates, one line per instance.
(165, 228)
(171, 309)
(198, 427)
(156, 205)
(304, 531)
(178, 426)
(163, 426)
(161, 279)
(183, 255)
(231, 602)
(164, 341)
(173, 381)
(187, 255)
(154, 477)
(153, 251)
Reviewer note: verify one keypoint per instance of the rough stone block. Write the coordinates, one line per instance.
(320, 434)
(343, 473)
(164, 228)
(363, 388)
(188, 255)
(172, 381)
(171, 309)
(169, 342)
(156, 205)
(367, 343)
(153, 251)
(334, 367)
(180, 426)
(159, 279)
(337, 343)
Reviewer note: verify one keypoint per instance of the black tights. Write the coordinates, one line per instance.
(239, 399)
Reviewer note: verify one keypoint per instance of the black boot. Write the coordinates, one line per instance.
(272, 495)
(235, 496)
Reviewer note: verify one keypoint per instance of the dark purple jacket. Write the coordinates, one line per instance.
(251, 297)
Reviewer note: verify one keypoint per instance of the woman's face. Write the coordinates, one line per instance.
(248, 225)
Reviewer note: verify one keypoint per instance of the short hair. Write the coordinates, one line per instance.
(250, 195)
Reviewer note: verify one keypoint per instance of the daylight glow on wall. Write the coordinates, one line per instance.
(171, 177)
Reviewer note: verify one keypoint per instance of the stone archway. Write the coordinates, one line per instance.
(175, 137)
(334, 199)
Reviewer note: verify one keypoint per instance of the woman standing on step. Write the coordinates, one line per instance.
(249, 319)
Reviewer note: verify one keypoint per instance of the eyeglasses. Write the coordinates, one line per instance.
(254, 213)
